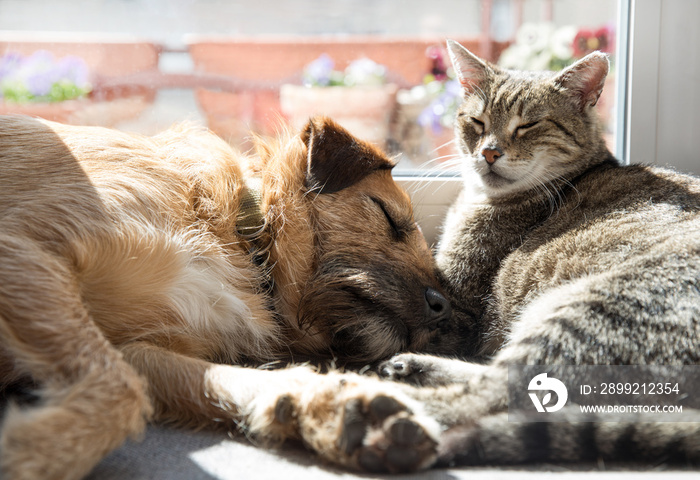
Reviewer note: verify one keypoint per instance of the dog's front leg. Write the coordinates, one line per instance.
(194, 392)
(348, 419)
(356, 421)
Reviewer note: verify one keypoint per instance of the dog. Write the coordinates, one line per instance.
(140, 275)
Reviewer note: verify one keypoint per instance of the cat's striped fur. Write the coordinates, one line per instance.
(557, 254)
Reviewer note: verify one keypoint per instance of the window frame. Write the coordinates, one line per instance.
(641, 88)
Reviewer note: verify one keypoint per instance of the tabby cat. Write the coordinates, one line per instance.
(557, 254)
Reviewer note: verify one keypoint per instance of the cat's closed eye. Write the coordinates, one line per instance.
(477, 124)
(521, 129)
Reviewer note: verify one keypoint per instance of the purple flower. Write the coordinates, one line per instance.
(74, 69)
(431, 115)
(441, 111)
(319, 71)
(454, 88)
(41, 77)
(39, 73)
(364, 71)
(9, 63)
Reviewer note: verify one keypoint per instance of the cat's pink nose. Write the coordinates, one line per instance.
(491, 155)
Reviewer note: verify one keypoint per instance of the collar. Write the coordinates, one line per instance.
(250, 221)
(250, 224)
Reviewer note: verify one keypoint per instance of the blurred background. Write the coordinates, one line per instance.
(377, 66)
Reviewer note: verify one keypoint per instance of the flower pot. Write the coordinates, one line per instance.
(82, 112)
(365, 111)
(233, 115)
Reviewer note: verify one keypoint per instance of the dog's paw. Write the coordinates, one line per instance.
(427, 370)
(362, 423)
(383, 435)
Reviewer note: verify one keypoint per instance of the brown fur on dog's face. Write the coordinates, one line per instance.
(365, 295)
(370, 286)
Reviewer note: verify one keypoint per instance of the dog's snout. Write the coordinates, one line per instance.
(437, 307)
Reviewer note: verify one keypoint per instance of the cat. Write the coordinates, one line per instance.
(556, 254)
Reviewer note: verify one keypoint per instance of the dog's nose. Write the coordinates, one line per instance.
(437, 307)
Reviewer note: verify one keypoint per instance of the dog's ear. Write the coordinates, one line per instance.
(336, 159)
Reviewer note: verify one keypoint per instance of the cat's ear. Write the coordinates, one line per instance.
(584, 79)
(336, 159)
(471, 71)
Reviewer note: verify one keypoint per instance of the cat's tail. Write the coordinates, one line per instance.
(496, 441)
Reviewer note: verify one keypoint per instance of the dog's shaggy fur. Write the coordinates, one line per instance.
(127, 285)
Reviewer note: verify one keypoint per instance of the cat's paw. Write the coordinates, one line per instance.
(428, 370)
(406, 367)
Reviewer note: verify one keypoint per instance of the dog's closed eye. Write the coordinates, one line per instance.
(399, 228)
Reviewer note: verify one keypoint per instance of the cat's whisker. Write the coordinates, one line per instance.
(444, 145)
(440, 165)
(557, 202)
(579, 199)
(439, 161)
(558, 182)
(550, 196)
(538, 184)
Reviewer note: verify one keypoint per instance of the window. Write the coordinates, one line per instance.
(241, 66)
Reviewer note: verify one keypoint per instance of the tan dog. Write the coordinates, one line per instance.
(131, 271)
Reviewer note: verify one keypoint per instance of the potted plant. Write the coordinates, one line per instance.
(42, 85)
(359, 98)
